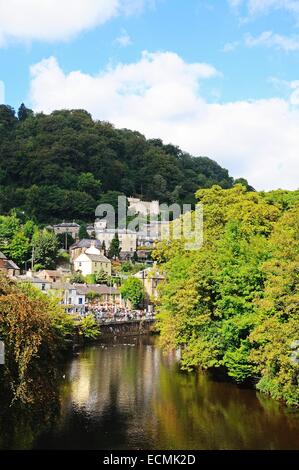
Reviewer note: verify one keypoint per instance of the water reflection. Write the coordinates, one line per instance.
(130, 396)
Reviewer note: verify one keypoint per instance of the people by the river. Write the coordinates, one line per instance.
(108, 313)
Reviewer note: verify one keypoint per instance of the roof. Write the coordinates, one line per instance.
(67, 224)
(98, 258)
(33, 279)
(51, 272)
(86, 243)
(11, 265)
(119, 231)
(83, 289)
(2, 256)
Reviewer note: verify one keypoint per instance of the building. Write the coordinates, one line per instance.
(136, 206)
(81, 246)
(127, 239)
(77, 300)
(52, 275)
(8, 267)
(151, 278)
(37, 282)
(67, 227)
(152, 232)
(91, 263)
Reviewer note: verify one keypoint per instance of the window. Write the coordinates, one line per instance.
(43, 286)
(80, 301)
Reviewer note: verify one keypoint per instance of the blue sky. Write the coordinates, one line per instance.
(229, 88)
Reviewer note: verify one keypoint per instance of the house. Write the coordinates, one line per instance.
(67, 227)
(91, 263)
(76, 297)
(136, 206)
(151, 278)
(51, 275)
(39, 283)
(127, 239)
(81, 246)
(8, 267)
(153, 232)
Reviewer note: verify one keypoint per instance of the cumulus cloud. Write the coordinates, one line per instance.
(51, 20)
(160, 96)
(2, 92)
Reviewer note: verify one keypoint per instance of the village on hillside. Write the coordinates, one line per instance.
(96, 266)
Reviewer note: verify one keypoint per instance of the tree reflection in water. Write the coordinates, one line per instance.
(128, 395)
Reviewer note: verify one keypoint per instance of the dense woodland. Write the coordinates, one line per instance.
(61, 166)
(233, 305)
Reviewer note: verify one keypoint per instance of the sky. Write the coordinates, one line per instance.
(219, 78)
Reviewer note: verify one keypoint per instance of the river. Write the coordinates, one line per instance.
(128, 395)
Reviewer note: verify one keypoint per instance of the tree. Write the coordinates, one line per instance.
(35, 330)
(83, 232)
(24, 113)
(77, 278)
(20, 248)
(89, 184)
(89, 328)
(234, 303)
(104, 248)
(133, 291)
(46, 247)
(101, 277)
(114, 249)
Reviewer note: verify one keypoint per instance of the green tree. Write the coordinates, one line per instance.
(133, 291)
(101, 277)
(89, 328)
(20, 248)
(24, 113)
(46, 247)
(114, 248)
(77, 278)
(83, 234)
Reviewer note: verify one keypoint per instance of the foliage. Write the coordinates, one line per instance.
(114, 248)
(34, 328)
(234, 303)
(66, 163)
(83, 234)
(77, 278)
(133, 291)
(46, 248)
(89, 328)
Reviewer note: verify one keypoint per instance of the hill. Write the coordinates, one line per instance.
(62, 165)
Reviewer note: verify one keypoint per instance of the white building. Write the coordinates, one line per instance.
(92, 264)
(127, 238)
(76, 296)
(136, 206)
(41, 284)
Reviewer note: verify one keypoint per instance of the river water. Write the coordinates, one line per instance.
(128, 395)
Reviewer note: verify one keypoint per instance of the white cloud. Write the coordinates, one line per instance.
(269, 39)
(51, 20)
(160, 96)
(2, 92)
(257, 7)
(124, 39)
(230, 46)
